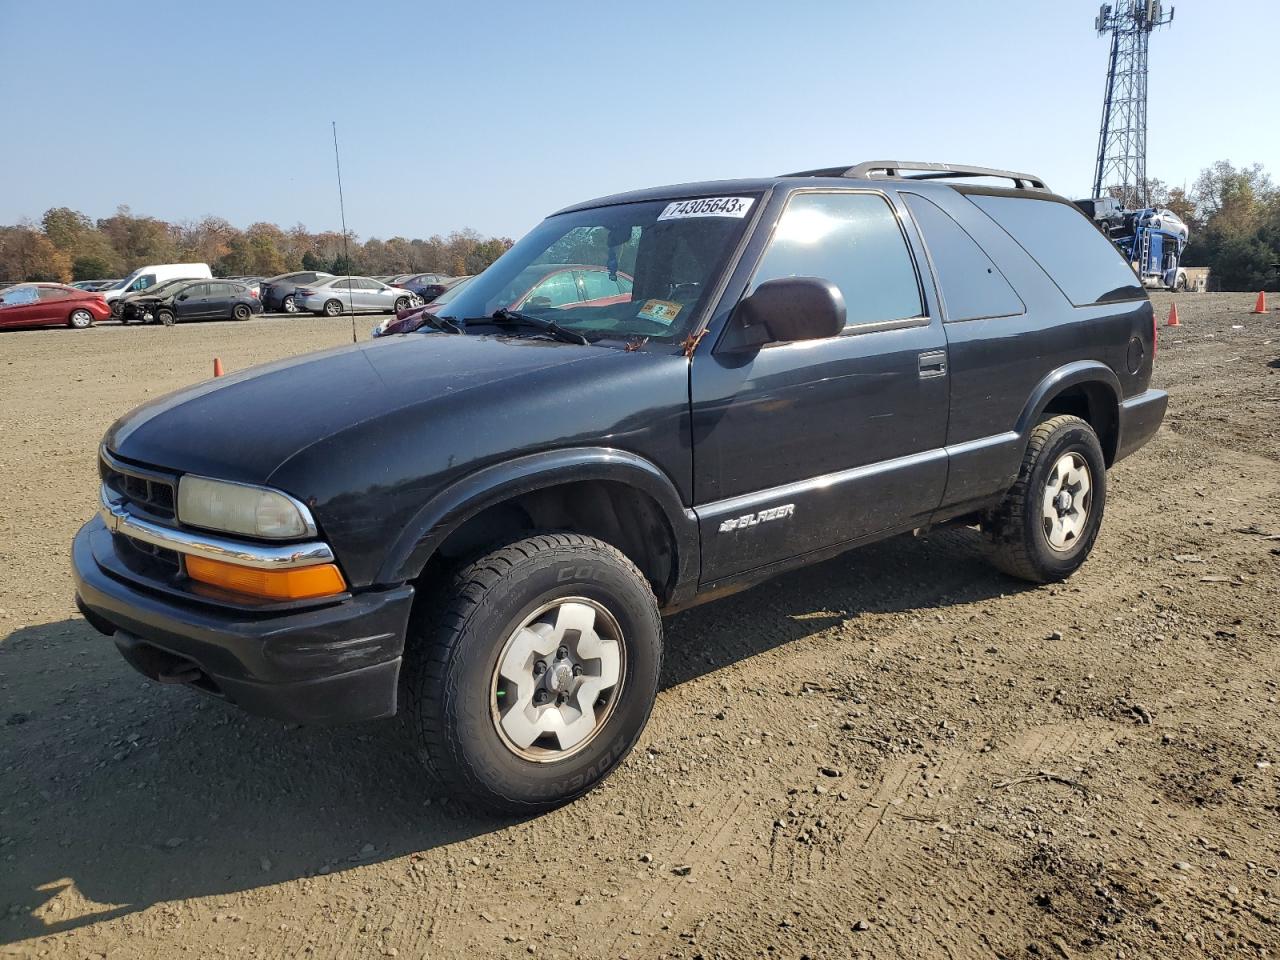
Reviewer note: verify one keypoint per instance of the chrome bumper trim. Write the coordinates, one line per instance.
(209, 546)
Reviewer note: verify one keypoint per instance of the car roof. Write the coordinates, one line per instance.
(832, 178)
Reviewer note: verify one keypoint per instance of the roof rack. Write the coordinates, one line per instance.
(872, 169)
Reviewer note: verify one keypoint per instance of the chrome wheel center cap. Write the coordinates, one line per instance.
(1063, 501)
(560, 677)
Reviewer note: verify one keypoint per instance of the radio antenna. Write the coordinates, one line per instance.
(342, 209)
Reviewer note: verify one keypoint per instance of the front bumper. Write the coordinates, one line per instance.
(335, 663)
(1140, 418)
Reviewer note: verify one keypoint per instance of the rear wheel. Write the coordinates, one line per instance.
(80, 319)
(166, 316)
(533, 676)
(332, 308)
(241, 312)
(289, 305)
(1047, 524)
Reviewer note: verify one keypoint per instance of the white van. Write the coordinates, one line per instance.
(150, 275)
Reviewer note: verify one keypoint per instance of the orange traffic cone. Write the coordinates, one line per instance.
(217, 367)
(1173, 317)
(1261, 305)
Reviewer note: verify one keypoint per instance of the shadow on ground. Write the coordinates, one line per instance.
(136, 794)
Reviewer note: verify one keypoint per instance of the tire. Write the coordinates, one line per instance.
(402, 303)
(289, 305)
(455, 682)
(332, 308)
(241, 312)
(80, 319)
(117, 309)
(1180, 285)
(1026, 543)
(166, 317)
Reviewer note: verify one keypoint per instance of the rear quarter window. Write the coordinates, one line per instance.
(973, 287)
(1083, 263)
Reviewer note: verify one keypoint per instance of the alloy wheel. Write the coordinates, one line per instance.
(557, 680)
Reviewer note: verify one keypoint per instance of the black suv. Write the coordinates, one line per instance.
(479, 524)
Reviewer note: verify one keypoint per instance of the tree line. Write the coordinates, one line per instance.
(66, 245)
(1233, 213)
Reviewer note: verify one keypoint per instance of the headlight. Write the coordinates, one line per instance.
(242, 508)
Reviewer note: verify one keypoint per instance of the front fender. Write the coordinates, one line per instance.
(453, 506)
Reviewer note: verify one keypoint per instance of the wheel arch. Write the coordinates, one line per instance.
(616, 496)
(1087, 389)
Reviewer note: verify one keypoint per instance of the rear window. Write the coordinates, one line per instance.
(1083, 263)
(972, 286)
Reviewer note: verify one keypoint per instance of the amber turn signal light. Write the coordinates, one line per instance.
(300, 583)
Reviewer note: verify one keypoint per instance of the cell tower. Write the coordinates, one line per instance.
(1121, 170)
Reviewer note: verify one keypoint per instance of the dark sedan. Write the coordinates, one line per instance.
(277, 293)
(202, 300)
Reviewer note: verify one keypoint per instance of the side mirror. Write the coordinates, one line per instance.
(789, 309)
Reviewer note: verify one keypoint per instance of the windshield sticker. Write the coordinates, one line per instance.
(660, 311)
(708, 207)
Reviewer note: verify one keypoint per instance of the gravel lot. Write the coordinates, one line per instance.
(897, 753)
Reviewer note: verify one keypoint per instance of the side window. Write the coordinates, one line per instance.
(195, 290)
(853, 240)
(597, 285)
(344, 285)
(1084, 264)
(557, 290)
(53, 293)
(220, 289)
(144, 281)
(972, 287)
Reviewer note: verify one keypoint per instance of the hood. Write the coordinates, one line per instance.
(244, 426)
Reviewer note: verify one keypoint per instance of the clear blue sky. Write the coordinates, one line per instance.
(492, 114)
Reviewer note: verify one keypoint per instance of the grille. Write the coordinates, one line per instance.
(145, 491)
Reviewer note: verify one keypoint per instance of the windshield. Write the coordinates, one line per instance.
(121, 284)
(166, 287)
(631, 269)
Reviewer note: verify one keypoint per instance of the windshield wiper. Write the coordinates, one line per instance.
(438, 323)
(504, 316)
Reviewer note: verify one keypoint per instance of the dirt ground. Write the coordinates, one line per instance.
(898, 753)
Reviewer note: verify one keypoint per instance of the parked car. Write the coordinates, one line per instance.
(202, 300)
(277, 293)
(138, 307)
(481, 529)
(48, 304)
(428, 286)
(340, 295)
(146, 277)
(92, 286)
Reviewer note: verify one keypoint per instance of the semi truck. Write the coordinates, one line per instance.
(1152, 240)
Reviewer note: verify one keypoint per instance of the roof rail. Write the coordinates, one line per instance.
(920, 170)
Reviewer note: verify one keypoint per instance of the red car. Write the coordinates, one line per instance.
(46, 304)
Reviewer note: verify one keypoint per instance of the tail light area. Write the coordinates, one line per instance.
(301, 293)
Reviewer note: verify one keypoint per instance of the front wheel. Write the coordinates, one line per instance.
(166, 317)
(533, 676)
(80, 319)
(332, 308)
(402, 303)
(1047, 524)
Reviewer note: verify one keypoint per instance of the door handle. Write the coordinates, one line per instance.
(933, 364)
